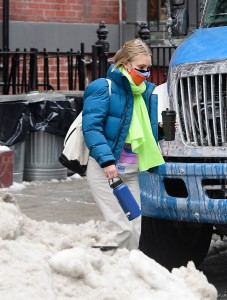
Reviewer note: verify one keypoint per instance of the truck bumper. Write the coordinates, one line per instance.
(194, 192)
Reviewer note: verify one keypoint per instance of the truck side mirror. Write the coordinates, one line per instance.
(180, 22)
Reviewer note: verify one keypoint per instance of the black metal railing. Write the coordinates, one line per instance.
(100, 52)
(100, 62)
(24, 71)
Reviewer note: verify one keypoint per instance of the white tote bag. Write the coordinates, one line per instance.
(75, 153)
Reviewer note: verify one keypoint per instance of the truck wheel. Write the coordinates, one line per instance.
(173, 243)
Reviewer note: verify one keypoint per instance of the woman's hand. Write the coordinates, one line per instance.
(110, 171)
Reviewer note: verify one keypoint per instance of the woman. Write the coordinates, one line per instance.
(118, 132)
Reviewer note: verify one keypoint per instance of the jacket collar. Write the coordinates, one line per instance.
(117, 76)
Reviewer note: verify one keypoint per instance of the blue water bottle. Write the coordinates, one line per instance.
(125, 198)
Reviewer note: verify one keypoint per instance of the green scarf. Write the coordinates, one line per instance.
(140, 134)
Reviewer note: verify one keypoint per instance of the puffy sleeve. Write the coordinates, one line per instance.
(95, 112)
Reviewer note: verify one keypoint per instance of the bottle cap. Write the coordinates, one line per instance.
(116, 183)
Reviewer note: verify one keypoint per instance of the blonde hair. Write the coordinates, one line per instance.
(130, 49)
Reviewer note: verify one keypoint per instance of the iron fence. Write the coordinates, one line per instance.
(24, 71)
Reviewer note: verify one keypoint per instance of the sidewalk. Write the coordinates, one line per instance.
(68, 201)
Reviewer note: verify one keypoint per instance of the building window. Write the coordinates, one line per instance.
(157, 10)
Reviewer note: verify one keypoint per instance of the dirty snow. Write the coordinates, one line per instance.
(52, 261)
(4, 149)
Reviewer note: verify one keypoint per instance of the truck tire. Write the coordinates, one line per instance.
(172, 243)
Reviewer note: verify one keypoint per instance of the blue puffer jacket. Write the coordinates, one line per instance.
(106, 118)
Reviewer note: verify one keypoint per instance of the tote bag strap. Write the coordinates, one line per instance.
(109, 83)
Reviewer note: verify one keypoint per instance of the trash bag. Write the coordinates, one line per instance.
(50, 112)
(14, 122)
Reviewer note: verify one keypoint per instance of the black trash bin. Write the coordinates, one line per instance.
(50, 116)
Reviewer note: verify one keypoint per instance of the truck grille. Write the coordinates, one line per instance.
(201, 103)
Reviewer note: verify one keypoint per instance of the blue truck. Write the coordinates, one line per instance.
(185, 200)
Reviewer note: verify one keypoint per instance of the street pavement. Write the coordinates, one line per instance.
(66, 201)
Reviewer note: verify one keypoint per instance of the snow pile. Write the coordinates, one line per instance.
(42, 260)
(4, 149)
(11, 218)
(217, 245)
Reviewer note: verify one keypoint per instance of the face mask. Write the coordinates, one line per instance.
(137, 77)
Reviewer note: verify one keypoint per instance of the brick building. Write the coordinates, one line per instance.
(64, 24)
(53, 24)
